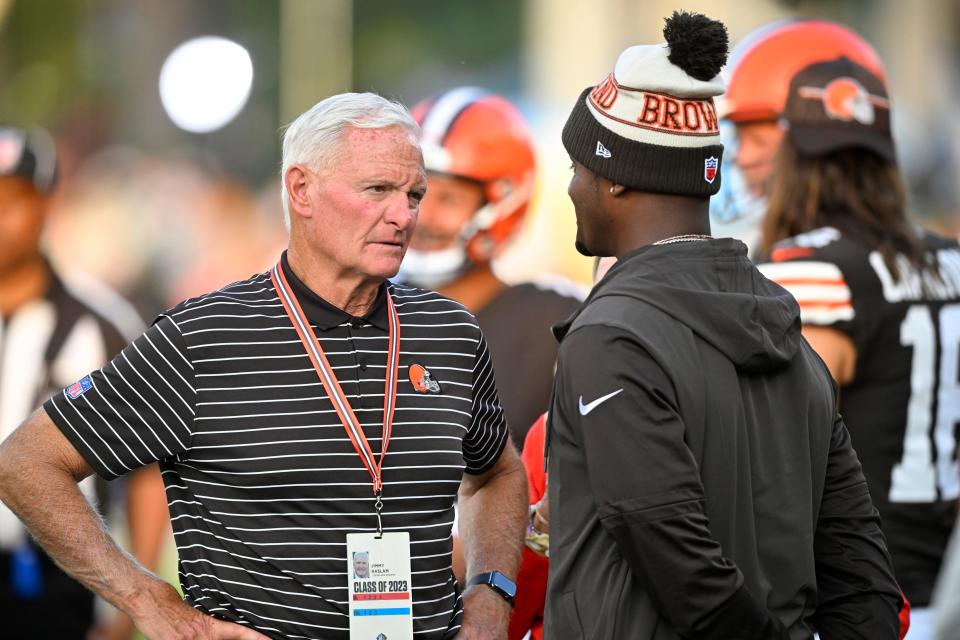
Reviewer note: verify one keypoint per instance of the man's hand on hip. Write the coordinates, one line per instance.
(163, 615)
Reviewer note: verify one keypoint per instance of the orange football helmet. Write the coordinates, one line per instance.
(763, 63)
(469, 133)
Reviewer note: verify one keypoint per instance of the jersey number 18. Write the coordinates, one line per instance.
(917, 477)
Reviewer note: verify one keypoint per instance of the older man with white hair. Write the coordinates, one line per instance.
(291, 420)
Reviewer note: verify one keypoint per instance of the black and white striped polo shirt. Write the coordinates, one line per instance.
(262, 480)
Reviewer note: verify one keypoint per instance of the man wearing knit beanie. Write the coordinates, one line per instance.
(702, 483)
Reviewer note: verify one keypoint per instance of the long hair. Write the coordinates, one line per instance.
(853, 190)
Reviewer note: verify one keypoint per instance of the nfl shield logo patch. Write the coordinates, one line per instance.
(710, 169)
(78, 388)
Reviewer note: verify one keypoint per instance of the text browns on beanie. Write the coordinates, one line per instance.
(651, 125)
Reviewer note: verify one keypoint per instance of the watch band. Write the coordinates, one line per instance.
(501, 584)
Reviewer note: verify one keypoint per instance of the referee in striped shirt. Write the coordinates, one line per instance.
(291, 410)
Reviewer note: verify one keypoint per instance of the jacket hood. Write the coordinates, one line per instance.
(714, 289)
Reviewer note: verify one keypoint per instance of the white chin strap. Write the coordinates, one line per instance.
(432, 269)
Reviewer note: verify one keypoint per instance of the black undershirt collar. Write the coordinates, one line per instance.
(327, 316)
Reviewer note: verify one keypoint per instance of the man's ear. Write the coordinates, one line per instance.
(616, 189)
(297, 181)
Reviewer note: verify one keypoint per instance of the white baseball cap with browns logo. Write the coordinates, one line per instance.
(838, 105)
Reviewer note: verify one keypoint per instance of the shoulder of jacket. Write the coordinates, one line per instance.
(618, 311)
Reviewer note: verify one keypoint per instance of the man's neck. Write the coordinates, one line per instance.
(22, 283)
(474, 289)
(655, 218)
(354, 295)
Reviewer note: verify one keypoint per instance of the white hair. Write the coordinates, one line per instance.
(313, 139)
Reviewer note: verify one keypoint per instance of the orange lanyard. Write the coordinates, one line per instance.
(332, 385)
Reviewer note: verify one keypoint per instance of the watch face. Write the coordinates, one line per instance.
(503, 583)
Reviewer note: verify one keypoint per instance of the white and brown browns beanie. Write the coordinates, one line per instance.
(651, 124)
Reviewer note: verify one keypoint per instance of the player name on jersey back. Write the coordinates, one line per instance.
(915, 285)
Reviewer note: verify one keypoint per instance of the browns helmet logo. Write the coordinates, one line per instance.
(846, 99)
(422, 380)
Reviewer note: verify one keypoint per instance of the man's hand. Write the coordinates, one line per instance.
(160, 614)
(485, 615)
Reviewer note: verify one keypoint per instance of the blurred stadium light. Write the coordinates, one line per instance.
(205, 82)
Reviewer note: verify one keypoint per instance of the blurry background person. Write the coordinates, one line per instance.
(527, 616)
(880, 302)
(759, 71)
(233, 238)
(51, 332)
(481, 171)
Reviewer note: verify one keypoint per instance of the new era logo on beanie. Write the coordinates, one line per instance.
(655, 113)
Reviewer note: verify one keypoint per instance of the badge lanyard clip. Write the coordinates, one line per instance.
(378, 505)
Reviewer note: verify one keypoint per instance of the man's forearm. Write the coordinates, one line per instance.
(493, 509)
(46, 497)
(492, 519)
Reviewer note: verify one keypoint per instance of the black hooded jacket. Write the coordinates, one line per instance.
(702, 484)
